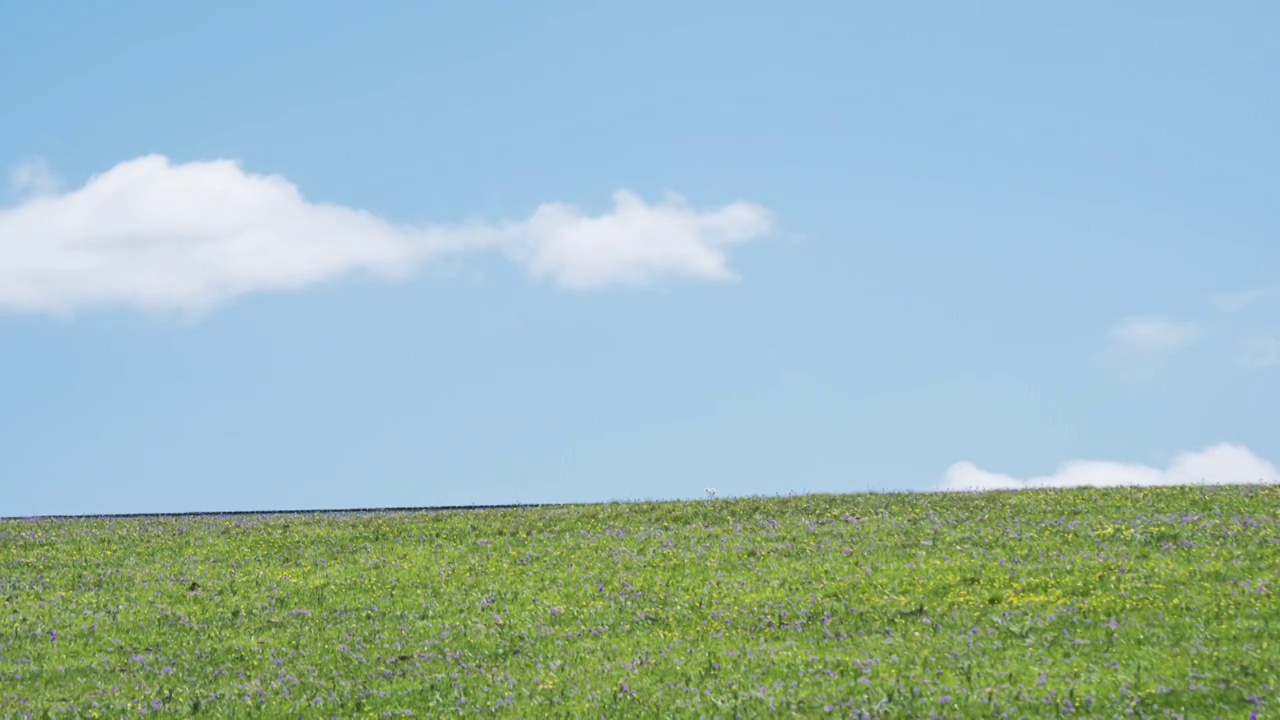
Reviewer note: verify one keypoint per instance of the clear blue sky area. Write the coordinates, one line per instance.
(1012, 234)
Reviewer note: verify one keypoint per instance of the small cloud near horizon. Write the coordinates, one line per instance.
(187, 237)
(1221, 464)
(33, 178)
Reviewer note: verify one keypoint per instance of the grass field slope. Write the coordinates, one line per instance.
(1088, 603)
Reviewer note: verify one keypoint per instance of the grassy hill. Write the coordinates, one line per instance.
(1091, 603)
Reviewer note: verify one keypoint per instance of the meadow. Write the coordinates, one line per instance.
(1088, 603)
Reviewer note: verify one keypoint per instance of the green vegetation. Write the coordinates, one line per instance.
(1087, 602)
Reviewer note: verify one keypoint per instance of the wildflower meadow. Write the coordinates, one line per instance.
(1157, 602)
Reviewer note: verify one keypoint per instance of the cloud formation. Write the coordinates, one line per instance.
(186, 237)
(1237, 301)
(33, 178)
(1138, 345)
(1221, 464)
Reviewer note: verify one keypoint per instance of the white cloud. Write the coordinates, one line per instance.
(186, 237)
(1222, 464)
(33, 178)
(1260, 351)
(1137, 345)
(1237, 301)
(1153, 334)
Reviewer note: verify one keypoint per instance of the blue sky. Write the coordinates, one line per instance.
(317, 254)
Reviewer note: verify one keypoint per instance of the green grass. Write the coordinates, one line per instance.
(1094, 603)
